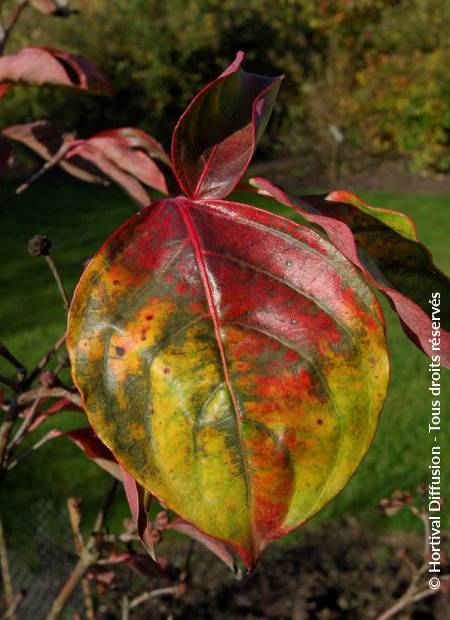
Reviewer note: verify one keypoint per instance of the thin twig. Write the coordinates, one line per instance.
(415, 590)
(426, 592)
(2, 22)
(83, 564)
(103, 512)
(57, 157)
(55, 271)
(145, 596)
(73, 506)
(18, 437)
(125, 608)
(59, 366)
(10, 613)
(186, 574)
(9, 382)
(45, 359)
(5, 432)
(403, 601)
(426, 538)
(88, 558)
(33, 448)
(6, 575)
(34, 396)
(14, 409)
(54, 392)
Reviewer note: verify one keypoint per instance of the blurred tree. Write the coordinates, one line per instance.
(363, 77)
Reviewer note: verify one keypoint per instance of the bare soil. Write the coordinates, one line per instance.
(338, 572)
(394, 175)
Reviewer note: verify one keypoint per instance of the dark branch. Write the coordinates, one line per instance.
(21, 370)
(21, 4)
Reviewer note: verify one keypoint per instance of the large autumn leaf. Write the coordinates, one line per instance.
(233, 361)
(216, 137)
(383, 243)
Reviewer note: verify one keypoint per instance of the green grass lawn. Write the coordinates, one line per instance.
(77, 218)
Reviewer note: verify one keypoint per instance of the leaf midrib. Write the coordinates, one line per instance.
(200, 260)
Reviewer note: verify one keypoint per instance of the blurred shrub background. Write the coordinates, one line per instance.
(366, 80)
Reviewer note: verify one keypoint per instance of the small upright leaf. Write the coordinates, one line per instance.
(233, 361)
(44, 65)
(215, 138)
(384, 245)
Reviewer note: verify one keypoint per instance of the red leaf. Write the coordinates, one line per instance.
(132, 151)
(143, 565)
(94, 449)
(45, 139)
(87, 440)
(120, 155)
(346, 218)
(215, 546)
(4, 89)
(102, 157)
(39, 65)
(63, 403)
(215, 138)
(137, 139)
(109, 168)
(139, 562)
(59, 405)
(135, 497)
